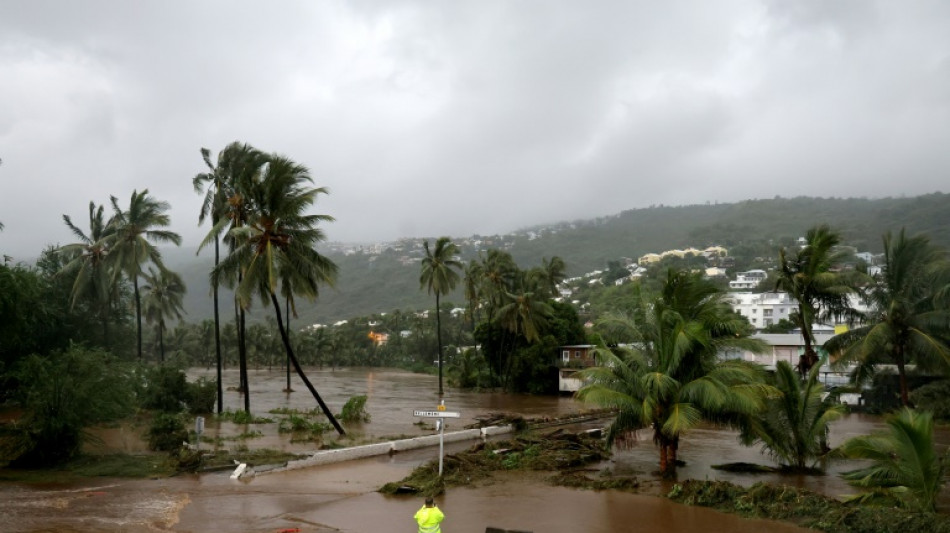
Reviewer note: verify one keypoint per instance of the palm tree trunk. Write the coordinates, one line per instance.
(664, 458)
(293, 359)
(161, 342)
(242, 355)
(902, 376)
(287, 364)
(438, 336)
(138, 314)
(217, 331)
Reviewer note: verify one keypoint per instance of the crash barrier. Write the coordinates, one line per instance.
(323, 457)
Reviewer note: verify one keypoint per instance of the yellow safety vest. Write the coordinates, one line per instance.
(429, 519)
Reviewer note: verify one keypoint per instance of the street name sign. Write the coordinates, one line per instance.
(438, 414)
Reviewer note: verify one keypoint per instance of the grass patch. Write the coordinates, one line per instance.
(243, 417)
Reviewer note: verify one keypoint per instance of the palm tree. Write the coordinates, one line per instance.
(793, 427)
(214, 205)
(439, 276)
(671, 380)
(471, 281)
(164, 291)
(277, 247)
(904, 323)
(498, 272)
(808, 277)
(133, 231)
(906, 466)
(87, 260)
(237, 169)
(526, 314)
(550, 275)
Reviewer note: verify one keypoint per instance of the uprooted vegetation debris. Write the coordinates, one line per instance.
(559, 451)
(805, 508)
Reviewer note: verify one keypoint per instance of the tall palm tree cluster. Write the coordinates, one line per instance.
(117, 250)
(258, 205)
(513, 316)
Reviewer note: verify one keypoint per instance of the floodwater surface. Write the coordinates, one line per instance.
(342, 497)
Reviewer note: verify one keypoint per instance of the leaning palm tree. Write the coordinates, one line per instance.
(906, 467)
(793, 427)
(87, 261)
(277, 247)
(807, 276)
(164, 291)
(131, 241)
(439, 276)
(904, 323)
(671, 379)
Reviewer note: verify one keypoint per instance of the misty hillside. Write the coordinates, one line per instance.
(382, 278)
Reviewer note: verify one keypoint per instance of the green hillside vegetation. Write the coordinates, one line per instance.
(377, 283)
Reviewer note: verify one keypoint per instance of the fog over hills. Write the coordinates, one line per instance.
(381, 277)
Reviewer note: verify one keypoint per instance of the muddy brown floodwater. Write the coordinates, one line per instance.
(342, 497)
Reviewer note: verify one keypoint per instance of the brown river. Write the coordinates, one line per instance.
(342, 497)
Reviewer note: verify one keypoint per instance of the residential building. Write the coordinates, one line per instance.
(749, 279)
(572, 360)
(762, 309)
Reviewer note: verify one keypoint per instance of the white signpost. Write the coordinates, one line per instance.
(439, 413)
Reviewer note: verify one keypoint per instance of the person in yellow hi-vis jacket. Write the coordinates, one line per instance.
(429, 517)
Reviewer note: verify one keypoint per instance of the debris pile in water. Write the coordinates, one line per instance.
(557, 451)
(805, 508)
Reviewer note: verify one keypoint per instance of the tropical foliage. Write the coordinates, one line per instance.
(439, 276)
(274, 246)
(793, 426)
(907, 322)
(808, 275)
(670, 378)
(906, 468)
(62, 394)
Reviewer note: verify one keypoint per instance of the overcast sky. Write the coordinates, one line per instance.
(460, 117)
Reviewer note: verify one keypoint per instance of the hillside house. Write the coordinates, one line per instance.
(749, 279)
(572, 360)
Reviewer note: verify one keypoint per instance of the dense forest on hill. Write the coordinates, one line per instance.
(376, 283)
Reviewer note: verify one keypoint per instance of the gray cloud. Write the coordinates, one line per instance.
(456, 118)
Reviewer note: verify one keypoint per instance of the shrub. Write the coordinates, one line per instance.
(933, 397)
(62, 394)
(298, 424)
(201, 396)
(167, 432)
(354, 410)
(165, 389)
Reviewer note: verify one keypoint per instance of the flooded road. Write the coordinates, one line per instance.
(341, 497)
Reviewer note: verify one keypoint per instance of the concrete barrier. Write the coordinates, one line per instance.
(323, 457)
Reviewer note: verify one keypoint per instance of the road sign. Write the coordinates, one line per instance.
(438, 414)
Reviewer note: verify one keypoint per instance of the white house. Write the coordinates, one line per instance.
(748, 280)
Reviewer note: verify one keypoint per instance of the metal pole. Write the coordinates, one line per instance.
(441, 438)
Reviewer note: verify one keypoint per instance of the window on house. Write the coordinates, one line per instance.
(566, 355)
(766, 312)
(767, 322)
(755, 311)
(577, 354)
